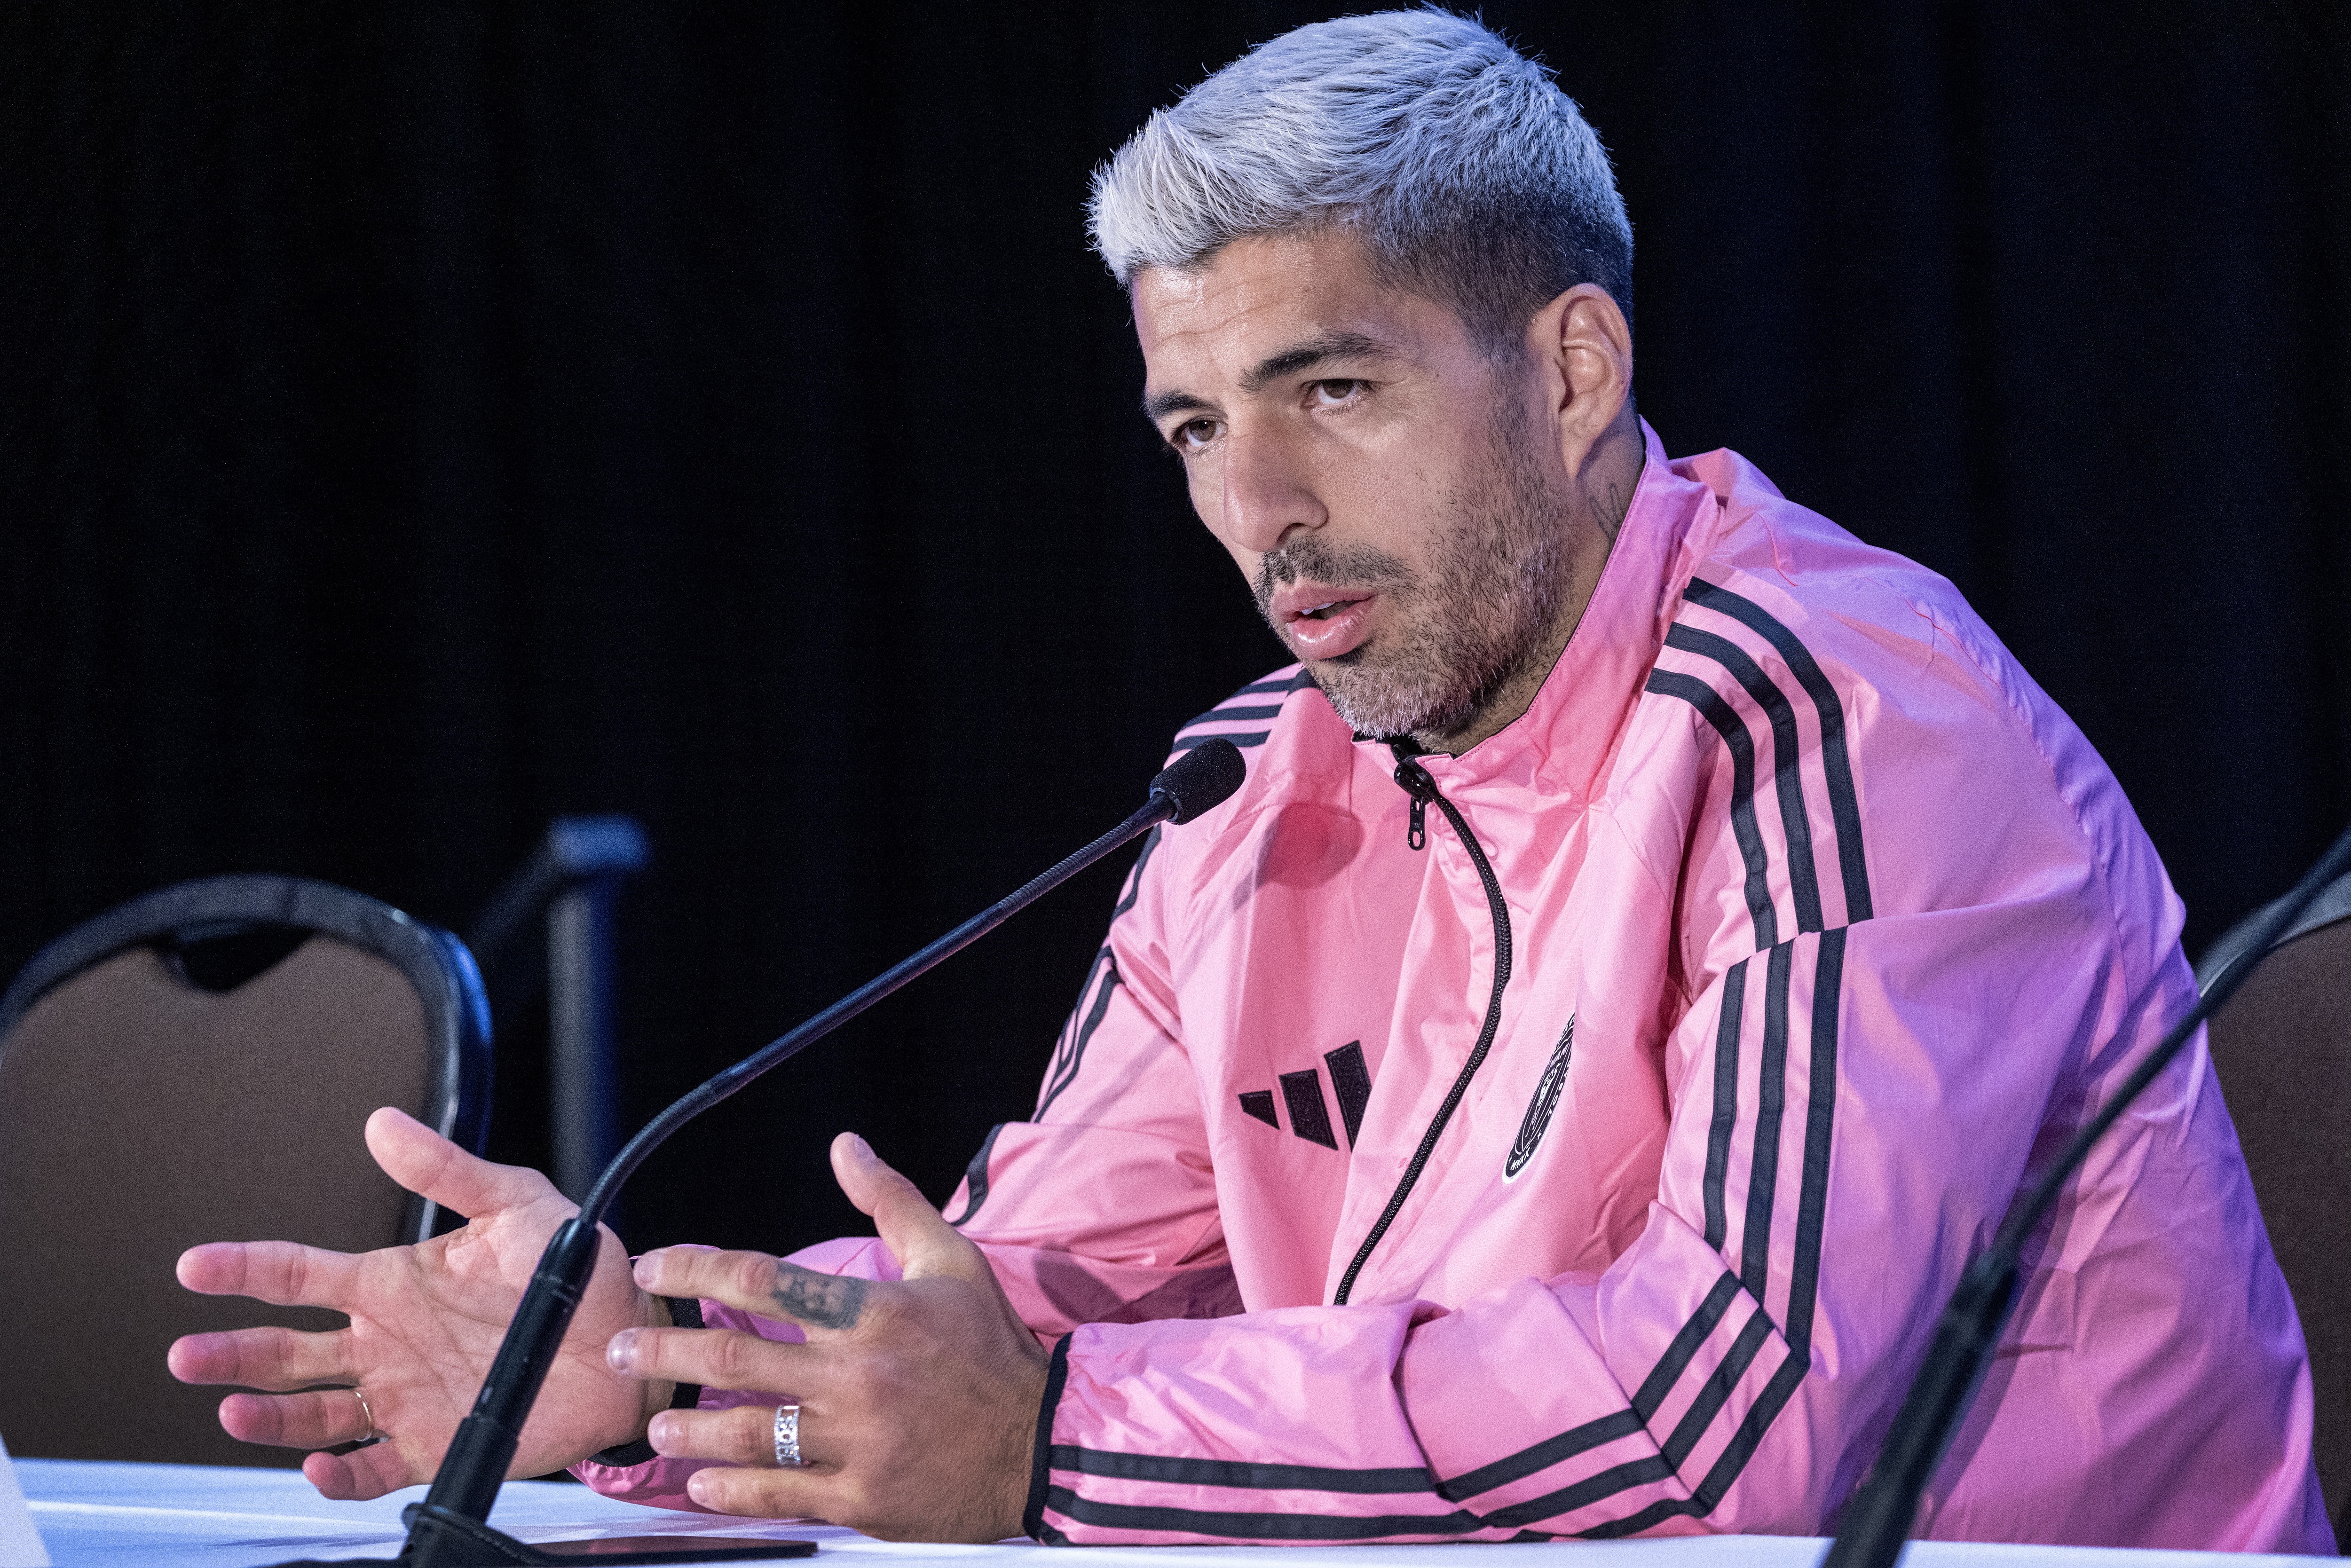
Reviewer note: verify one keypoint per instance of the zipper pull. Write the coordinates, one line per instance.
(1415, 782)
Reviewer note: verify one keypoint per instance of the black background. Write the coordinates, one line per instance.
(416, 421)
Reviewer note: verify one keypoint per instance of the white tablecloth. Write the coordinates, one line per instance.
(93, 1513)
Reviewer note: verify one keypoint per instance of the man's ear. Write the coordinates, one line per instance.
(1585, 347)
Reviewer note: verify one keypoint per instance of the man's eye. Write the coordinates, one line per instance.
(1193, 435)
(1330, 393)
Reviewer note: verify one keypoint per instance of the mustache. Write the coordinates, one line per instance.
(1355, 565)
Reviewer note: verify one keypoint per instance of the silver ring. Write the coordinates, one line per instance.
(370, 1435)
(788, 1436)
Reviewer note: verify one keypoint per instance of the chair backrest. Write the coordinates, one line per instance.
(2282, 1049)
(198, 1065)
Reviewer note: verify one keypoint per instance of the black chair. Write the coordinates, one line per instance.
(2282, 1049)
(197, 1066)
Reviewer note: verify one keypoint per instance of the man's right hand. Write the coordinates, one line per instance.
(426, 1323)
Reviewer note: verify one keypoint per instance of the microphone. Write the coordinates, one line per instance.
(1885, 1506)
(449, 1529)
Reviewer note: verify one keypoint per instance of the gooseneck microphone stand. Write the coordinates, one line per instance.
(1879, 1519)
(450, 1528)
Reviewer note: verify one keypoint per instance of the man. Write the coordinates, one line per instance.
(1555, 1095)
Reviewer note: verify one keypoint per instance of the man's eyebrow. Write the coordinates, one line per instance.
(1159, 405)
(1313, 353)
(1304, 356)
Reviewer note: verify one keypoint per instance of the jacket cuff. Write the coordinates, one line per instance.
(683, 1313)
(1032, 1517)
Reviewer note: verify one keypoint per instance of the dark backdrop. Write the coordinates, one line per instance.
(418, 420)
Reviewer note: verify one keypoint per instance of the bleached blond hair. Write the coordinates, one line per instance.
(1470, 177)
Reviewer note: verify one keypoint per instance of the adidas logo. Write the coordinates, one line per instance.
(1301, 1097)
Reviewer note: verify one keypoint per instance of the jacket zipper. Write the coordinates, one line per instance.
(1418, 783)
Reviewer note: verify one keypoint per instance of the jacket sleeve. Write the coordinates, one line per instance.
(1100, 1209)
(1850, 1107)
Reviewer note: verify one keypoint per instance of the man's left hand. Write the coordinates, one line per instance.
(918, 1399)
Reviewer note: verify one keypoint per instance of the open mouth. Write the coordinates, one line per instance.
(1321, 627)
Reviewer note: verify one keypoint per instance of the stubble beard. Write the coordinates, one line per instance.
(1498, 572)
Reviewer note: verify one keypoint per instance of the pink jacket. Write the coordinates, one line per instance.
(1580, 1139)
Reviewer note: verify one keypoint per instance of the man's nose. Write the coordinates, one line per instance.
(1266, 495)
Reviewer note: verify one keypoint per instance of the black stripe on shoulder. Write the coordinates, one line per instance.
(1844, 804)
(1735, 738)
(1187, 742)
(974, 1177)
(1233, 714)
(1276, 686)
(1234, 1473)
(1257, 1526)
(1787, 776)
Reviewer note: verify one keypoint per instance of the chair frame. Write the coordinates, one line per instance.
(436, 964)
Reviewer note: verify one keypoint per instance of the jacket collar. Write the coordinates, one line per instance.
(1561, 744)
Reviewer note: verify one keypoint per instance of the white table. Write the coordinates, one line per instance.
(94, 1513)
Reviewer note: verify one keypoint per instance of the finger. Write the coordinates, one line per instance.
(362, 1473)
(272, 1358)
(318, 1419)
(424, 1162)
(770, 1493)
(918, 1235)
(755, 1283)
(743, 1436)
(283, 1273)
(719, 1358)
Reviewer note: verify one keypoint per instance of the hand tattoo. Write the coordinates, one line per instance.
(1611, 517)
(823, 1301)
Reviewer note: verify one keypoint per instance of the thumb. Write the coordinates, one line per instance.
(422, 1161)
(918, 1235)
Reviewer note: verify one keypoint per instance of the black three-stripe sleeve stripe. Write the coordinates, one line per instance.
(1239, 1526)
(1771, 1102)
(1717, 1390)
(974, 1177)
(1788, 779)
(1844, 806)
(1102, 982)
(1181, 1471)
(1678, 1354)
(1828, 987)
(1726, 1100)
(1134, 876)
(1828, 979)
(1736, 741)
(1820, 1110)
(1540, 1456)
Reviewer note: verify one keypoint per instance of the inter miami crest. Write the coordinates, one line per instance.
(1539, 1109)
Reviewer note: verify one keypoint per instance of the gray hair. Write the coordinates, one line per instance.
(1471, 178)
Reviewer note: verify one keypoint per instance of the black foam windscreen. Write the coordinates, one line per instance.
(1201, 778)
